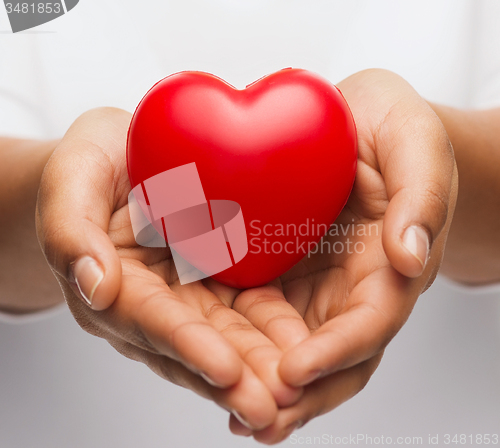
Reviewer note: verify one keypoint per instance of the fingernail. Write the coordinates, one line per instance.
(312, 376)
(210, 380)
(88, 276)
(416, 241)
(242, 420)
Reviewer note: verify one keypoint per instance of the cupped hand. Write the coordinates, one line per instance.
(353, 294)
(130, 296)
(358, 288)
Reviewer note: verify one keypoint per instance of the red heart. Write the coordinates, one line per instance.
(284, 149)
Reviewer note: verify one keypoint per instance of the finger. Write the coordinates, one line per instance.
(80, 188)
(149, 315)
(157, 259)
(378, 307)
(226, 294)
(267, 310)
(417, 164)
(256, 350)
(249, 399)
(409, 146)
(319, 398)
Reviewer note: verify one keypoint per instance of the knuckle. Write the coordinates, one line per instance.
(252, 298)
(214, 309)
(237, 326)
(436, 201)
(279, 318)
(255, 350)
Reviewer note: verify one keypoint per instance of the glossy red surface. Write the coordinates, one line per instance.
(284, 149)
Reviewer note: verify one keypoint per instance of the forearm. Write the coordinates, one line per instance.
(26, 282)
(473, 248)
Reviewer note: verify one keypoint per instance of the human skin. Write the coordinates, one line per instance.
(472, 254)
(26, 282)
(406, 177)
(261, 345)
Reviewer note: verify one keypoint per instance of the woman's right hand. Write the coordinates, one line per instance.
(130, 296)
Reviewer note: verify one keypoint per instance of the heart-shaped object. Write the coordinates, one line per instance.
(284, 149)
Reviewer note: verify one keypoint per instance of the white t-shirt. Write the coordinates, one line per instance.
(60, 387)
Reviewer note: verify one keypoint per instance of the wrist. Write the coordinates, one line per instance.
(473, 249)
(21, 169)
(22, 165)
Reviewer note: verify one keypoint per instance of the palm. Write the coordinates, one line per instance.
(334, 284)
(189, 335)
(150, 276)
(320, 286)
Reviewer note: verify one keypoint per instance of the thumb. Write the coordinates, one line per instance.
(421, 180)
(78, 193)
